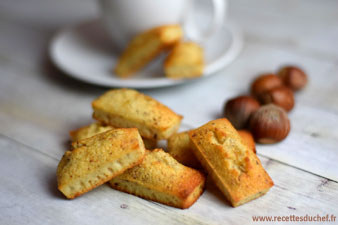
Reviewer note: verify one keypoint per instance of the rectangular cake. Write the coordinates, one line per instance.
(95, 160)
(162, 179)
(180, 147)
(130, 108)
(145, 47)
(233, 166)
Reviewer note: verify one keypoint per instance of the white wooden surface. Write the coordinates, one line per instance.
(39, 105)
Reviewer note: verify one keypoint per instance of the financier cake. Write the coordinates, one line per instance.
(130, 108)
(186, 60)
(179, 147)
(162, 179)
(95, 160)
(145, 47)
(233, 166)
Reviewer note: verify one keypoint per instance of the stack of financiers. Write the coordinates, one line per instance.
(184, 61)
(114, 150)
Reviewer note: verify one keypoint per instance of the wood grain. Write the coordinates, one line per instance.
(29, 193)
(39, 105)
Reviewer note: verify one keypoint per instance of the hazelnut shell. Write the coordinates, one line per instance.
(265, 83)
(269, 124)
(281, 96)
(238, 110)
(293, 77)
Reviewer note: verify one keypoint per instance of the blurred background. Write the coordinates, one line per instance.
(306, 24)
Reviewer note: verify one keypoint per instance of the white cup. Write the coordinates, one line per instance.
(124, 19)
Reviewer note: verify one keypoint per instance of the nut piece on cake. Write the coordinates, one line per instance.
(162, 179)
(97, 128)
(130, 108)
(233, 166)
(186, 60)
(145, 47)
(98, 159)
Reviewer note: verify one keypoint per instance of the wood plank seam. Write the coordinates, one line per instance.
(286, 164)
(29, 147)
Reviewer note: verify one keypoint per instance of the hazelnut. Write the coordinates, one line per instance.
(238, 110)
(265, 83)
(293, 77)
(269, 124)
(281, 96)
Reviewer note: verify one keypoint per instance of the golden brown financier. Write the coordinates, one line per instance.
(235, 169)
(179, 147)
(96, 160)
(162, 179)
(186, 60)
(130, 108)
(145, 47)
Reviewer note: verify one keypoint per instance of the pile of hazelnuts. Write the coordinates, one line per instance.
(264, 112)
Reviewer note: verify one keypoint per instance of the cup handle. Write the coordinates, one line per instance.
(196, 34)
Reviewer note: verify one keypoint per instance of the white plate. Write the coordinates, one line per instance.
(85, 53)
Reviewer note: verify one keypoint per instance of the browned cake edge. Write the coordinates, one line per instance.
(183, 203)
(100, 180)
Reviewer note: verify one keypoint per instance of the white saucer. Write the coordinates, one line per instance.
(84, 52)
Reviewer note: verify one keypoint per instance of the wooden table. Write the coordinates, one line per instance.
(39, 105)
